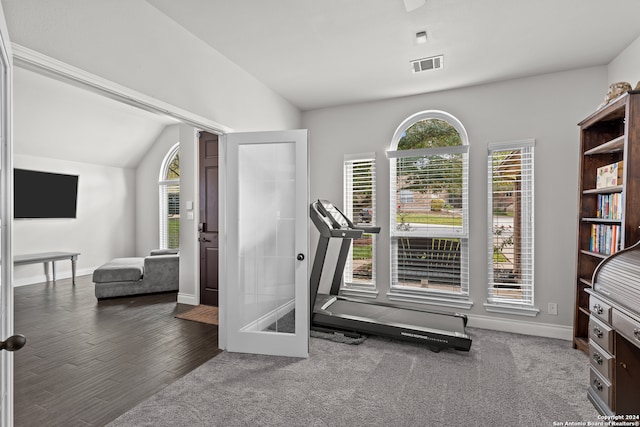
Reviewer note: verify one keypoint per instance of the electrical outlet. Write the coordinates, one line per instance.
(552, 308)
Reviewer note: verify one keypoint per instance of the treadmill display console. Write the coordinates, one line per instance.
(328, 209)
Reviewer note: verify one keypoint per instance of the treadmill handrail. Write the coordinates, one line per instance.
(368, 229)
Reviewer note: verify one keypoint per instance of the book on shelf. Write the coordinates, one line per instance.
(609, 206)
(609, 175)
(605, 239)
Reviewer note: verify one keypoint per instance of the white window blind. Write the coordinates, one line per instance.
(511, 225)
(429, 220)
(169, 196)
(170, 216)
(359, 205)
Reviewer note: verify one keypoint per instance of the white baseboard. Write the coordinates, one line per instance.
(41, 278)
(521, 327)
(188, 299)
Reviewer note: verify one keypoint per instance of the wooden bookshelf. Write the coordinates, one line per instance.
(609, 135)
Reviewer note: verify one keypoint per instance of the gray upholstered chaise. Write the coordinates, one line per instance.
(157, 272)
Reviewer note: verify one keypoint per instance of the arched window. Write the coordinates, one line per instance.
(169, 183)
(429, 210)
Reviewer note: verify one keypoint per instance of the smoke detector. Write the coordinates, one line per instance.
(426, 64)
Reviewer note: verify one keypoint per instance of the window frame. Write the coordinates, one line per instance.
(351, 287)
(459, 299)
(163, 186)
(526, 304)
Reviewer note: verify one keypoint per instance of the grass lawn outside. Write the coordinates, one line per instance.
(173, 226)
(429, 218)
(362, 251)
(499, 257)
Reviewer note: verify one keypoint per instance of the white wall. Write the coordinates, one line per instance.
(147, 193)
(547, 108)
(103, 228)
(626, 66)
(189, 246)
(147, 205)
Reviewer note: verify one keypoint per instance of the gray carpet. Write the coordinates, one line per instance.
(506, 379)
(287, 324)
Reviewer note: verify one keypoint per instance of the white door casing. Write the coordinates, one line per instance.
(6, 224)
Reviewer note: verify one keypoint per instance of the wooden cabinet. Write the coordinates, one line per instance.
(614, 353)
(609, 136)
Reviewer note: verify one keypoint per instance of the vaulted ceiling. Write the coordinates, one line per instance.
(57, 120)
(324, 53)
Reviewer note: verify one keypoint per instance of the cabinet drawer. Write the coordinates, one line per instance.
(601, 361)
(627, 327)
(600, 386)
(601, 334)
(600, 309)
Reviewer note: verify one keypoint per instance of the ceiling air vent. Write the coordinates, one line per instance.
(426, 64)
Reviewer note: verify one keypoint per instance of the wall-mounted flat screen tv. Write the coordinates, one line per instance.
(39, 194)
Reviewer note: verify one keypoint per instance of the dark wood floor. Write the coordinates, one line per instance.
(86, 361)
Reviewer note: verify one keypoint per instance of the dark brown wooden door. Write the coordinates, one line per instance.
(208, 219)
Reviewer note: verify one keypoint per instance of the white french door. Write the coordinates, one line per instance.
(6, 220)
(265, 283)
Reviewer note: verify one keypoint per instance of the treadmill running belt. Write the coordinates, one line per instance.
(411, 318)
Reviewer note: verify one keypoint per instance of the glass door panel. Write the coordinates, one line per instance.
(267, 243)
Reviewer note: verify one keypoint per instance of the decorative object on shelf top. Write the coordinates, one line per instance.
(615, 90)
(637, 86)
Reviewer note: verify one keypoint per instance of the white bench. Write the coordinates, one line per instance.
(49, 257)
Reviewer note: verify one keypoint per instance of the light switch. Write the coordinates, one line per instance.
(189, 206)
(190, 215)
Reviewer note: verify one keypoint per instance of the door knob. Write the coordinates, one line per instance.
(13, 343)
(300, 257)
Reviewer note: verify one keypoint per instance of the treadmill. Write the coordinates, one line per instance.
(352, 316)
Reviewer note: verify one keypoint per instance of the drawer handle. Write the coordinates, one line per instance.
(598, 309)
(597, 358)
(597, 384)
(636, 334)
(597, 332)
